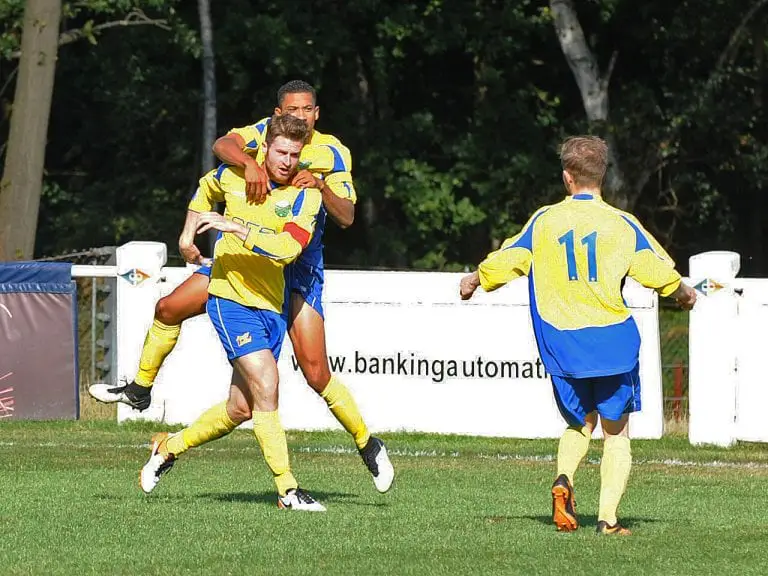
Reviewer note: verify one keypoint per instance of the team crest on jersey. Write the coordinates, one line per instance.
(708, 286)
(244, 339)
(304, 164)
(283, 208)
(134, 276)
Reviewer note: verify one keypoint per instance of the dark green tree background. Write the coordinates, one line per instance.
(453, 111)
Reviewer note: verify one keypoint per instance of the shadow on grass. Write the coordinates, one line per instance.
(585, 520)
(271, 498)
(242, 498)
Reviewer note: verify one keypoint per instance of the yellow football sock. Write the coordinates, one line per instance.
(344, 407)
(614, 472)
(271, 436)
(573, 446)
(159, 342)
(212, 424)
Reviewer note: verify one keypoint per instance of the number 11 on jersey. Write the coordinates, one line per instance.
(590, 241)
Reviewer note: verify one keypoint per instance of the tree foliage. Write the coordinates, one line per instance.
(453, 112)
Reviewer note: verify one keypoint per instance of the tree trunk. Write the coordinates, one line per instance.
(757, 237)
(209, 85)
(208, 160)
(22, 180)
(593, 87)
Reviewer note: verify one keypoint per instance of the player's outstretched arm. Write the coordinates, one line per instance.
(284, 247)
(468, 285)
(229, 149)
(653, 268)
(512, 260)
(507, 263)
(685, 296)
(215, 221)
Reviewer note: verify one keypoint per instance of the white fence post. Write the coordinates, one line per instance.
(712, 349)
(138, 270)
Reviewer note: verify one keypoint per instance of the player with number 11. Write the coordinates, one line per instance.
(576, 255)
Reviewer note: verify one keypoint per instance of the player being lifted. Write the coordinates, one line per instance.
(245, 305)
(576, 255)
(241, 148)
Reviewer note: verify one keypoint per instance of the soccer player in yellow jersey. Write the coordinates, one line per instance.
(576, 255)
(245, 303)
(326, 165)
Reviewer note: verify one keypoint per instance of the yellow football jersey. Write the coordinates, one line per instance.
(577, 254)
(251, 272)
(338, 176)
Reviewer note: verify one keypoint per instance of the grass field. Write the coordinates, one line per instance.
(70, 504)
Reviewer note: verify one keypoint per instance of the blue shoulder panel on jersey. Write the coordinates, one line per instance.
(338, 160)
(641, 242)
(262, 125)
(252, 144)
(220, 171)
(299, 203)
(526, 238)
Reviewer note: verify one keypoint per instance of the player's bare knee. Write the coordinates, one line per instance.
(164, 312)
(317, 374)
(618, 427)
(239, 411)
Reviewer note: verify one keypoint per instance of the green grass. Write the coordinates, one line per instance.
(70, 504)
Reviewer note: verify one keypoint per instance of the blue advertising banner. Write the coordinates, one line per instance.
(38, 341)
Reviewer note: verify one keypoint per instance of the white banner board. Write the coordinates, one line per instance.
(415, 357)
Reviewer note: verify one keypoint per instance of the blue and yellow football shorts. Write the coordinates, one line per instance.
(306, 280)
(243, 330)
(611, 396)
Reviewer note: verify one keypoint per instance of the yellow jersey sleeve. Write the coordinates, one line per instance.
(209, 191)
(318, 159)
(340, 178)
(651, 266)
(510, 261)
(336, 165)
(286, 246)
(341, 184)
(504, 265)
(253, 134)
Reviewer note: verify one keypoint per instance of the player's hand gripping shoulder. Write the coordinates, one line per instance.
(468, 285)
(230, 149)
(215, 221)
(305, 179)
(255, 182)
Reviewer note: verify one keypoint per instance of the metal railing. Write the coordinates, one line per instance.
(673, 336)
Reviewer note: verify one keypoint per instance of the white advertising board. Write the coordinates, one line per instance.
(415, 357)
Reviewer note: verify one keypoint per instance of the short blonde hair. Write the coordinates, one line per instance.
(585, 158)
(289, 127)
